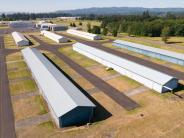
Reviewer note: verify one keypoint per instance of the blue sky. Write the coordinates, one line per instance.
(53, 5)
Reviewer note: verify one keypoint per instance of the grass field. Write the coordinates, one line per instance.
(4, 26)
(172, 40)
(17, 65)
(19, 74)
(171, 48)
(160, 115)
(14, 57)
(124, 84)
(10, 43)
(29, 107)
(84, 23)
(80, 59)
(22, 86)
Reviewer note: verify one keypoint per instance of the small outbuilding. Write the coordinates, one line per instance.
(151, 78)
(67, 103)
(20, 39)
(86, 35)
(55, 37)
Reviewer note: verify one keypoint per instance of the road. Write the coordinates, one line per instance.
(7, 128)
(158, 67)
(116, 95)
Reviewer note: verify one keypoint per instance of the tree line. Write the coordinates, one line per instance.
(142, 25)
(30, 16)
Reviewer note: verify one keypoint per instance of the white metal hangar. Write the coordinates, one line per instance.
(67, 104)
(84, 34)
(19, 39)
(153, 79)
(165, 55)
(55, 37)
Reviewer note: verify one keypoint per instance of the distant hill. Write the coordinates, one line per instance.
(121, 10)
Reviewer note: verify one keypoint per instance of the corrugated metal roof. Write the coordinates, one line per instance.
(53, 35)
(141, 70)
(152, 49)
(18, 37)
(81, 32)
(61, 94)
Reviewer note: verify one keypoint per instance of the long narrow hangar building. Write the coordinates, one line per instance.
(57, 27)
(153, 79)
(86, 35)
(165, 55)
(19, 39)
(67, 104)
(55, 37)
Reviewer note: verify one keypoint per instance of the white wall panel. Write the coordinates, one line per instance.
(125, 67)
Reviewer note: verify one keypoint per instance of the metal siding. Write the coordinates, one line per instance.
(86, 35)
(54, 37)
(19, 39)
(165, 55)
(153, 79)
(77, 116)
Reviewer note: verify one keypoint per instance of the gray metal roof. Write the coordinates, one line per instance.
(151, 74)
(152, 49)
(19, 37)
(61, 94)
(52, 35)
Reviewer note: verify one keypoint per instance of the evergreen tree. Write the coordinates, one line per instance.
(165, 34)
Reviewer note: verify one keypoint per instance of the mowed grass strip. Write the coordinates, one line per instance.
(170, 48)
(18, 65)
(29, 107)
(123, 83)
(9, 42)
(42, 105)
(14, 57)
(19, 74)
(22, 87)
(79, 58)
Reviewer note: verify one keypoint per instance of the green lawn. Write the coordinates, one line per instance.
(18, 65)
(18, 74)
(170, 48)
(22, 87)
(14, 57)
(80, 59)
(40, 101)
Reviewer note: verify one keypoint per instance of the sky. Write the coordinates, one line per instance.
(54, 5)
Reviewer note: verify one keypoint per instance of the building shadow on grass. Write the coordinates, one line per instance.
(179, 88)
(178, 42)
(30, 43)
(100, 113)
